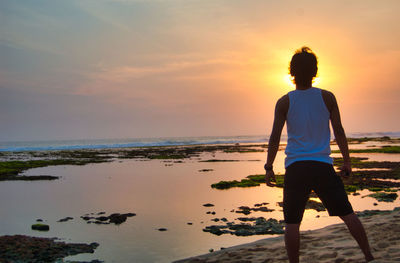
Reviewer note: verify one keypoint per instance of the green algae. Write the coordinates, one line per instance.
(249, 181)
(351, 188)
(218, 160)
(383, 149)
(10, 169)
(243, 150)
(369, 139)
(384, 197)
(361, 179)
(167, 156)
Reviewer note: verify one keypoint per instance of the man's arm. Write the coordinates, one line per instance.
(338, 130)
(281, 109)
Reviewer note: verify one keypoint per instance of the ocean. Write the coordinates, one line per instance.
(14, 146)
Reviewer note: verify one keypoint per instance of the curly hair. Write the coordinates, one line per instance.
(303, 66)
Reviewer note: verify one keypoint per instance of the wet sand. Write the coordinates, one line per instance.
(329, 244)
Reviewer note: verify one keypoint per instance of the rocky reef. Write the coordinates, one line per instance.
(21, 248)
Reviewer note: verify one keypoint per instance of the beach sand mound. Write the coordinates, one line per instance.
(330, 244)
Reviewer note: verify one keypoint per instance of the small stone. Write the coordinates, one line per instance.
(130, 214)
(382, 245)
(211, 250)
(208, 205)
(162, 229)
(65, 219)
(40, 227)
(328, 255)
(189, 223)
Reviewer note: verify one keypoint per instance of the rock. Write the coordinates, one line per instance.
(262, 209)
(213, 213)
(40, 227)
(130, 214)
(189, 223)
(224, 219)
(65, 219)
(261, 226)
(208, 205)
(384, 197)
(39, 220)
(162, 229)
(102, 218)
(117, 218)
(216, 230)
(372, 212)
(206, 170)
(318, 206)
(261, 221)
(211, 250)
(244, 219)
(215, 219)
(20, 248)
(243, 210)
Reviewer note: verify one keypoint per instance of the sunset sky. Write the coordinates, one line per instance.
(159, 68)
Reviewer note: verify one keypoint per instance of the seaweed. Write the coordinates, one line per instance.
(249, 181)
(383, 149)
(10, 169)
(384, 197)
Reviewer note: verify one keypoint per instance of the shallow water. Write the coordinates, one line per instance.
(161, 194)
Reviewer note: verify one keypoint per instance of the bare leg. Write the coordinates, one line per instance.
(292, 242)
(358, 232)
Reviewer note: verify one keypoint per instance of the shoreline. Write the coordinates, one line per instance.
(332, 243)
(119, 144)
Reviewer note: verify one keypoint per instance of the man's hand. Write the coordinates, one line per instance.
(345, 170)
(270, 177)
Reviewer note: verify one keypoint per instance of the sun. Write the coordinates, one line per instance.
(288, 80)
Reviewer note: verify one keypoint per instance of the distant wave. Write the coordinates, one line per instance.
(148, 142)
(123, 143)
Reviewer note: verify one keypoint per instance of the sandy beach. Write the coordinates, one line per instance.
(329, 244)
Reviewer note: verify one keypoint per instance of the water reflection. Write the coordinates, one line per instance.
(161, 196)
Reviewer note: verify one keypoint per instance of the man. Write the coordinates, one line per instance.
(307, 111)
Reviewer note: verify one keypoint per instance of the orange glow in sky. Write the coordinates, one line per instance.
(168, 68)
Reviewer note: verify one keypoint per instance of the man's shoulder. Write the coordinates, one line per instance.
(327, 93)
(283, 103)
(284, 99)
(329, 98)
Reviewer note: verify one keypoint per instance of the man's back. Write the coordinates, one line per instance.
(307, 127)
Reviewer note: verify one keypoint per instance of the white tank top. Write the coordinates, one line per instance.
(307, 127)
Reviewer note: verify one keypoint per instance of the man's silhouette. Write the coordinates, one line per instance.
(307, 111)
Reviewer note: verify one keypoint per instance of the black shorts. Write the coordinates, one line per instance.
(303, 176)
